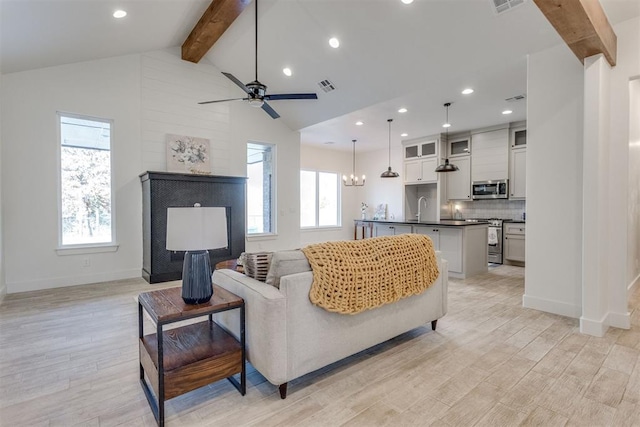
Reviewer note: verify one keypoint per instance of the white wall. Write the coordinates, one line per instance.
(108, 88)
(327, 160)
(554, 182)
(387, 191)
(253, 124)
(633, 210)
(601, 262)
(171, 90)
(147, 96)
(3, 285)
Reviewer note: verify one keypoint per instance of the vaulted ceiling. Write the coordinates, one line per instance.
(392, 55)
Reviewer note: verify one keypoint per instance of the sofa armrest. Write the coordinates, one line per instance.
(265, 316)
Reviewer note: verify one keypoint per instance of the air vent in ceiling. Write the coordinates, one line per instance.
(500, 6)
(516, 98)
(326, 86)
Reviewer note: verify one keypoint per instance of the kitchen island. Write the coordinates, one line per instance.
(463, 244)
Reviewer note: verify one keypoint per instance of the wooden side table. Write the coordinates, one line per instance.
(231, 264)
(185, 358)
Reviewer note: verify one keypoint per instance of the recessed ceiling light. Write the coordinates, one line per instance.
(287, 71)
(119, 13)
(446, 125)
(505, 112)
(402, 110)
(359, 123)
(334, 42)
(407, 1)
(467, 91)
(404, 134)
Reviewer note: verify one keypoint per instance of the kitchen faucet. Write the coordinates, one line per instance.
(421, 199)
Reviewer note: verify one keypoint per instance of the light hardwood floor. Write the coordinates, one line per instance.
(69, 357)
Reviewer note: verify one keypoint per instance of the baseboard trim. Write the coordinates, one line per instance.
(61, 282)
(597, 328)
(619, 320)
(550, 306)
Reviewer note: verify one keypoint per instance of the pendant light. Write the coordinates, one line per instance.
(354, 179)
(447, 167)
(389, 173)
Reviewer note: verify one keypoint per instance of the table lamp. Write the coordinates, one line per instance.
(195, 230)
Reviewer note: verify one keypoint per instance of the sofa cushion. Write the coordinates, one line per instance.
(256, 265)
(284, 263)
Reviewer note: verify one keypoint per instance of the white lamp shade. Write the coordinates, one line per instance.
(196, 229)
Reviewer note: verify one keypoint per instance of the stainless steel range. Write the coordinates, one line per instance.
(494, 240)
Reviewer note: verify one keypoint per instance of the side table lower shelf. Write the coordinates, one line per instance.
(194, 356)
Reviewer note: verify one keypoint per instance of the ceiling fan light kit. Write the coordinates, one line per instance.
(447, 167)
(389, 173)
(256, 91)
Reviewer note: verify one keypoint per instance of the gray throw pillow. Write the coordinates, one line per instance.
(284, 263)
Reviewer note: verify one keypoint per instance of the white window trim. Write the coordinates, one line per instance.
(76, 249)
(274, 198)
(317, 227)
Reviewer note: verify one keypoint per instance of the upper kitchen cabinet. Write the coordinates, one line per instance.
(421, 171)
(490, 159)
(421, 160)
(459, 145)
(419, 149)
(519, 137)
(518, 163)
(459, 182)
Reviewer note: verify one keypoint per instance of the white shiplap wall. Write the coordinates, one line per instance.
(170, 91)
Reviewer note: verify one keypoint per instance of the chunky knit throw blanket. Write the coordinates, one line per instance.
(353, 276)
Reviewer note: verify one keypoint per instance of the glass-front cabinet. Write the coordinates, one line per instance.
(420, 149)
(460, 146)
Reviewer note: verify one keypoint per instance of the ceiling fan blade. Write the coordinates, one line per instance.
(270, 111)
(280, 96)
(223, 100)
(236, 81)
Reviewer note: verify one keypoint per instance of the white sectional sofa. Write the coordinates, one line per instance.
(287, 336)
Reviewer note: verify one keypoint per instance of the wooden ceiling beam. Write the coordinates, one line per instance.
(214, 22)
(583, 26)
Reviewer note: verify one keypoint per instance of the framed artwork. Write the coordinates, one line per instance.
(188, 154)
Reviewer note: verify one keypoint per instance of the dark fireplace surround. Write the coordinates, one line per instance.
(162, 190)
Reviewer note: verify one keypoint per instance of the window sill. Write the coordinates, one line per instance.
(259, 237)
(333, 228)
(87, 249)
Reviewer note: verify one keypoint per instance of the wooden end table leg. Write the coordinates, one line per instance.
(160, 377)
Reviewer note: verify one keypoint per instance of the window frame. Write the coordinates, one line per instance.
(317, 193)
(82, 248)
(274, 189)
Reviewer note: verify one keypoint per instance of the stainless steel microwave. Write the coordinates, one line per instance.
(497, 189)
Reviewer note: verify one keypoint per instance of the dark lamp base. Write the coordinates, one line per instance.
(196, 277)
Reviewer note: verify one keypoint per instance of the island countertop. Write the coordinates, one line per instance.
(441, 223)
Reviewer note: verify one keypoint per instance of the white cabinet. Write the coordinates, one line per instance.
(518, 174)
(448, 241)
(490, 158)
(514, 241)
(459, 146)
(459, 182)
(518, 163)
(420, 149)
(421, 171)
(518, 137)
(391, 230)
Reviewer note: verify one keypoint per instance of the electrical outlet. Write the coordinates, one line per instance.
(86, 262)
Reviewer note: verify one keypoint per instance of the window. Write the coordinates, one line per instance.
(260, 188)
(85, 181)
(319, 199)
